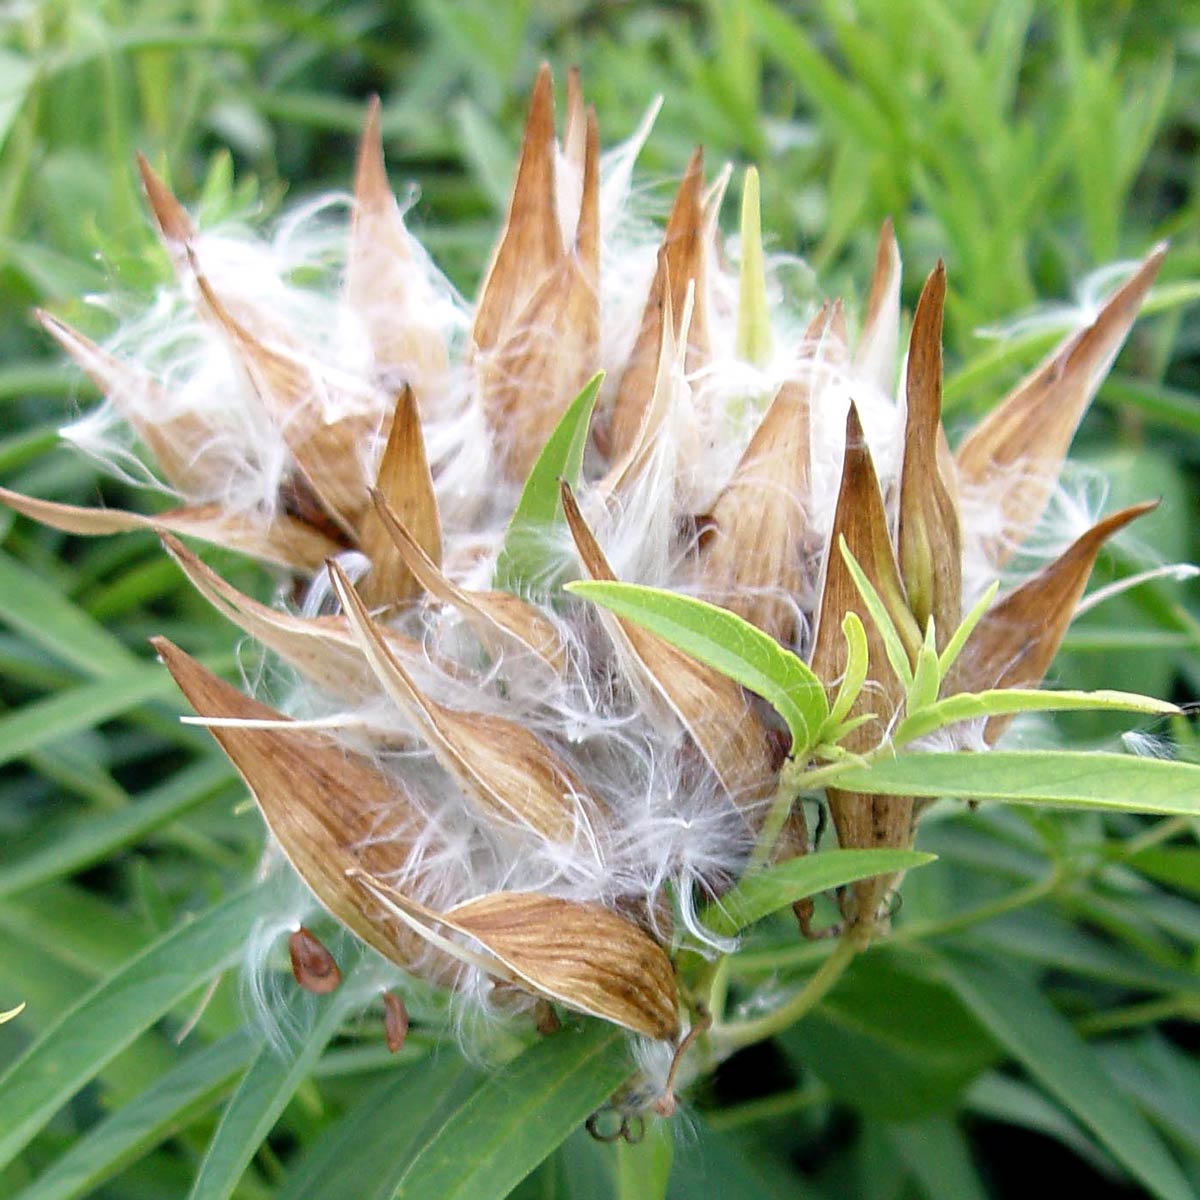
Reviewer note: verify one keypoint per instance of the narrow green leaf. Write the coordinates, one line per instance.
(936, 1154)
(1058, 778)
(171, 1103)
(753, 315)
(525, 563)
(43, 614)
(266, 1088)
(926, 674)
(854, 676)
(644, 1168)
(1043, 1041)
(514, 1117)
(64, 847)
(768, 891)
(959, 637)
(41, 722)
(969, 706)
(1176, 866)
(112, 1015)
(892, 644)
(728, 644)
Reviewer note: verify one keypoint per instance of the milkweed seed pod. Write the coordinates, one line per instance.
(505, 789)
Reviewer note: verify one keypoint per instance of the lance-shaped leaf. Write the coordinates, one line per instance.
(1015, 641)
(709, 705)
(509, 773)
(860, 523)
(283, 540)
(754, 314)
(930, 545)
(580, 954)
(386, 284)
(530, 244)
(681, 262)
(756, 551)
(550, 348)
(405, 482)
(1015, 454)
(727, 643)
(498, 619)
(329, 810)
(322, 649)
(176, 443)
(875, 354)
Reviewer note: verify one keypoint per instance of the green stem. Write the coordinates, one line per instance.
(1134, 1016)
(727, 1038)
(783, 1104)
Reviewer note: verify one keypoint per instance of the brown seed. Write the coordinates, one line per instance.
(312, 964)
(395, 1021)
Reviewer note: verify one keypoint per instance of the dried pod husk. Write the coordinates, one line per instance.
(542, 358)
(329, 810)
(385, 282)
(681, 264)
(579, 954)
(313, 967)
(928, 536)
(176, 443)
(530, 244)
(875, 354)
(1017, 639)
(404, 479)
(506, 770)
(713, 709)
(499, 619)
(758, 539)
(285, 541)
(1012, 459)
(395, 1022)
(322, 649)
(326, 452)
(859, 518)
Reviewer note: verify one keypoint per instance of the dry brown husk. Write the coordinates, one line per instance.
(507, 771)
(1014, 456)
(1017, 639)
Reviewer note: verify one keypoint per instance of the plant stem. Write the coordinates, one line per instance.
(782, 1104)
(1133, 1016)
(728, 1038)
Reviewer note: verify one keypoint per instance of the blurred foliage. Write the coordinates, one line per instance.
(1036, 1008)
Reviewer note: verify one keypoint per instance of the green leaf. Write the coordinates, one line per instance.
(936, 1154)
(514, 1117)
(362, 1155)
(44, 615)
(959, 637)
(927, 675)
(727, 643)
(110, 1017)
(753, 314)
(768, 891)
(171, 1103)
(42, 722)
(644, 1168)
(854, 676)
(1176, 866)
(61, 848)
(893, 645)
(892, 1040)
(1043, 1041)
(970, 706)
(526, 562)
(266, 1088)
(1058, 778)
